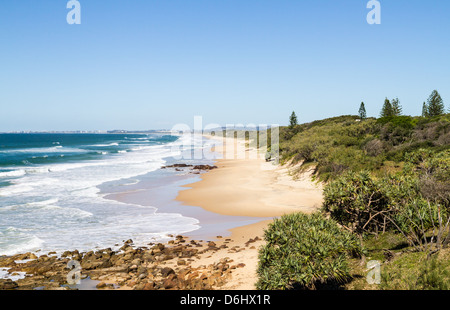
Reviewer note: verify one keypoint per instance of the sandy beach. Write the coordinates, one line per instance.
(233, 203)
(249, 187)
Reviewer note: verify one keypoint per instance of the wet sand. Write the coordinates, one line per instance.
(235, 201)
(250, 187)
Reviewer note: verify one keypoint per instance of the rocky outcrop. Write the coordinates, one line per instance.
(204, 167)
(194, 168)
(157, 267)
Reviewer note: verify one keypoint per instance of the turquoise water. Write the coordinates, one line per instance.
(50, 198)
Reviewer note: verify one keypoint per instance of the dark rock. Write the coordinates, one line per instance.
(170, 282)
(166, 271)
(137, 268)
(194, 167)
(204, 167)
(136, 261)
(66, 254)
(149, 286)
(101, 285)
(177, 166)
(7, 284)
(142, 270)
(159, 246)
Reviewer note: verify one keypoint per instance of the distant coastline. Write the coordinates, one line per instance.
(88, 131)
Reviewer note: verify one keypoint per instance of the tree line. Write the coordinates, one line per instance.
(434, 106)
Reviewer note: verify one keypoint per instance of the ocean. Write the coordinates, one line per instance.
(53, 189)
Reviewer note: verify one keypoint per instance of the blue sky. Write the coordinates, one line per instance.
(150, 64)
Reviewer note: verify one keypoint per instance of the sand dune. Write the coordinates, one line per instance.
(250, 186)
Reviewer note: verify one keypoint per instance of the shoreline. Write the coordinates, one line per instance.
(236, 201)
(250, 187)
(160, 191)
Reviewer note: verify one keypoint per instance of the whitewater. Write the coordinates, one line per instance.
(50, 198)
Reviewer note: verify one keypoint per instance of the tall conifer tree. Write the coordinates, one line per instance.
(292, 120)
(386, 111)
(435, 104)
(362, 111)
(396, 107)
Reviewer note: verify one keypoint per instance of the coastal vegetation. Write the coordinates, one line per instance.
(305, 252)
(386, 184)
(335, 145)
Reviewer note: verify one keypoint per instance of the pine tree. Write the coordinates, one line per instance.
(435, 104)
(396, 107)
(425, 110)
(387, 110)
(362, 111)
(292, 120)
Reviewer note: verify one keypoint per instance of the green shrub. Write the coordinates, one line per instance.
(413, 202)
(432, 170)
(357, 201)
(305, 252)
(344, 143)
(417, 218)
(402, 121)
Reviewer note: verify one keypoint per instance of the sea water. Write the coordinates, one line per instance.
(50, 198)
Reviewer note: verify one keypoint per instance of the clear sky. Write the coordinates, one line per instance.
(150, 64)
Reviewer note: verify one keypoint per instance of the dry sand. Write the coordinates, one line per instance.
(249, 186)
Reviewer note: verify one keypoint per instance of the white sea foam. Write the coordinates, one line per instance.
(53, 149)
(62, 205)
(139, 139)
(32, 243)
(14, 189)
(4, 274)
(68, 212)
(13, 173)
(131, 182)
(103, 145)
(44, 202)
(31, 205)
